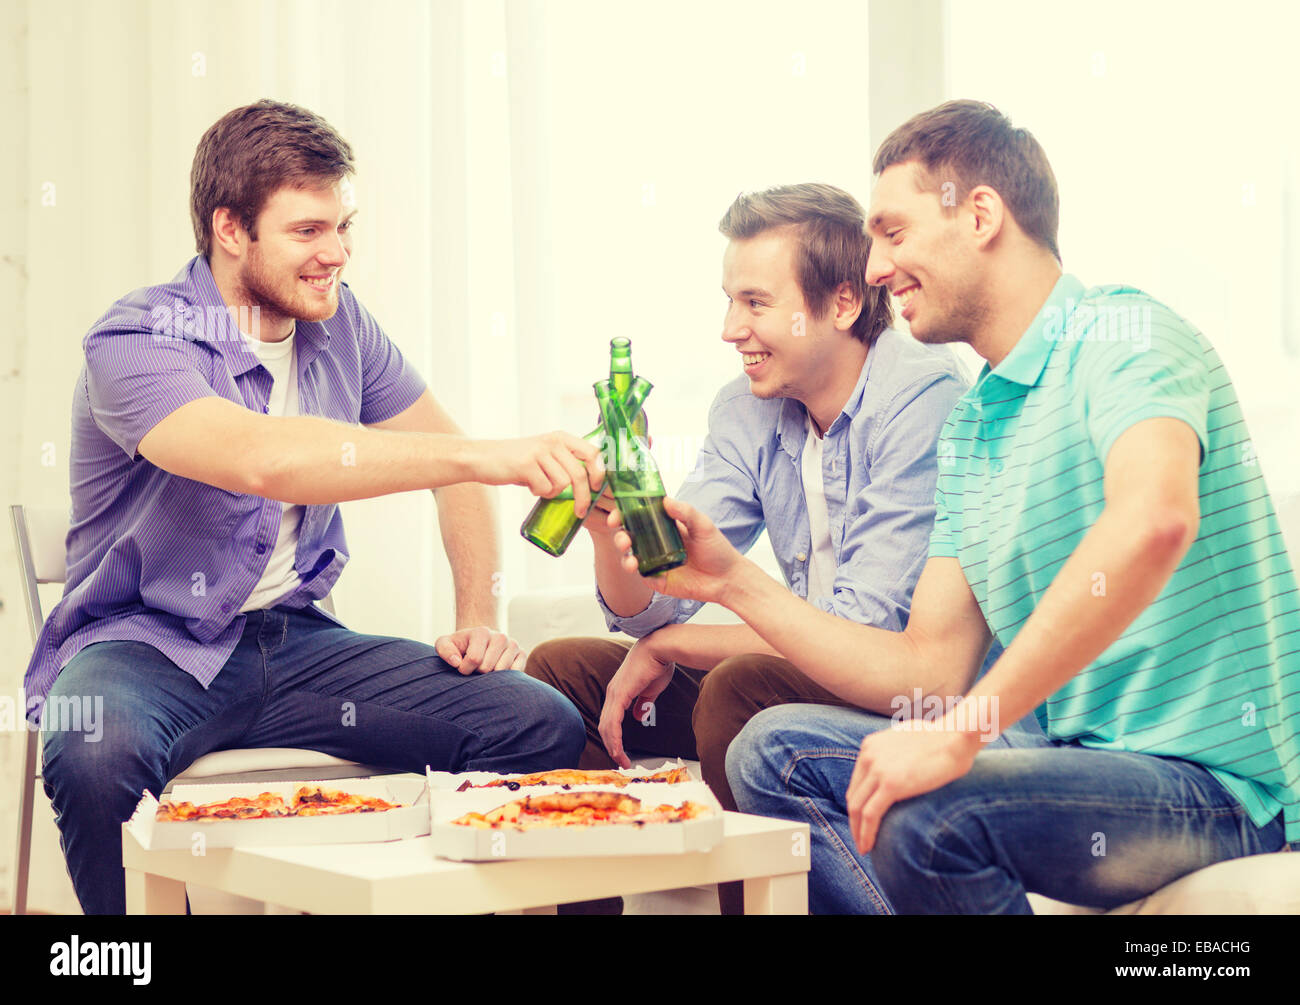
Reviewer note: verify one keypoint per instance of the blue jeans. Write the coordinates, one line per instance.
(294, 680)
(1090, 827)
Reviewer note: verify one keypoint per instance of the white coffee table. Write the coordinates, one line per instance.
(403, 877)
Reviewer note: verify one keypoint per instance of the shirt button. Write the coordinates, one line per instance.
(225, 608)
(997, 467)
(802, 557)
(261, 548)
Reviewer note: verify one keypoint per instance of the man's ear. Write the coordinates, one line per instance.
(227, 232)
(847, 306)
(988, 214)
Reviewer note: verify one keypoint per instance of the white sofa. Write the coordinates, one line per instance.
(1258, 884)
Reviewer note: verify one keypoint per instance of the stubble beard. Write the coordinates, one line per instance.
(260, 288)
(961, 323)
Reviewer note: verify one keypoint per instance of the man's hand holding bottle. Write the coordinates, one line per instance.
(712, 564)
(545, 465)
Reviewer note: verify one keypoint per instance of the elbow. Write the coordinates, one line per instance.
(266, 476)
(1172, 531)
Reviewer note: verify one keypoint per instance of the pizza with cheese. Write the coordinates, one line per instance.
(314, 801)
(579, 809)
(308, 801)
(266, 804)
(568, 777)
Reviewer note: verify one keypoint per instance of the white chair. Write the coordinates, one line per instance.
(40, 537)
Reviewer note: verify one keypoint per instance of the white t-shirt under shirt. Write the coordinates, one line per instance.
(821, 565)
(279, 579)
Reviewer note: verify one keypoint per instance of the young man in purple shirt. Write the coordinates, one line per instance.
(217, 422)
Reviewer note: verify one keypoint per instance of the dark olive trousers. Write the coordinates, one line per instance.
(696, 717)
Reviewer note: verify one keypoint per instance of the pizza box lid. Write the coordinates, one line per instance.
(471, 844)
(410, 820)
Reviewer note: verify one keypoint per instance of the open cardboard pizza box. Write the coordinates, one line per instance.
(470, 844)
(409, 820)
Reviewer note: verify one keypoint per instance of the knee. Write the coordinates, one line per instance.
(732, 680)
(907, 842)
(556, 719)
(113, 763)
(565, 663)
(754, 757)
(545, 659)
(728, 699)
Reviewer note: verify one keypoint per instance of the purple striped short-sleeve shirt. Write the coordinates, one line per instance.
(156, 558)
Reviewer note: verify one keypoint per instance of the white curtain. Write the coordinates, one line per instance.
(119, 94)
(110, 99)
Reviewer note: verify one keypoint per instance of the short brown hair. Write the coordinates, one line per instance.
(251, 152)
(831, 246)
(972, 143)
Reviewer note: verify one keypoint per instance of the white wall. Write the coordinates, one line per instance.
(1173, 133)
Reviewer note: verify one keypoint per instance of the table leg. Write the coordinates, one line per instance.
(149, 894)
(777, 894)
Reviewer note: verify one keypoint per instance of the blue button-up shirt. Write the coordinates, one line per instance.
(878, 468)
(156, 558)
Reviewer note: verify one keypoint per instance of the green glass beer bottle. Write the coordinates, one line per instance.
(620, 381)
(551, 524)
(634, 479)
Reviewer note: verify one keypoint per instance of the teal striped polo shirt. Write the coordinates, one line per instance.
(1209, 672)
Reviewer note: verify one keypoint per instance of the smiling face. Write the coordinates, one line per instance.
(304, 241)
(923, 252)
(785, 352)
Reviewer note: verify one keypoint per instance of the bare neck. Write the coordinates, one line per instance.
(1017, 292)
(837, 382)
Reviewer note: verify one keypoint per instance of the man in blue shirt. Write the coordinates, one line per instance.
(827, 441)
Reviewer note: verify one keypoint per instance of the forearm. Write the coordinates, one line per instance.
(467, 523)
(1112, 576)
(705, 646)
(867, 666)
(306, 460)
(625, 593)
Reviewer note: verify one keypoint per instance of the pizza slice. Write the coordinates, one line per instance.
(577, 776)
(265, 804)
(579, 809)
(308, 801)
(316, 801)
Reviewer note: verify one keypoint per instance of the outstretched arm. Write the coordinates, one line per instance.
(307, 460)
(940, 651)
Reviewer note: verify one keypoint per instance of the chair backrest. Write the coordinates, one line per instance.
(40, 538)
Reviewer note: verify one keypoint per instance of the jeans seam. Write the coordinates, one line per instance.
(855, 867)
(266, 670)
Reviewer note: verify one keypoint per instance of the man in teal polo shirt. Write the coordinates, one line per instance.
(1101, 513)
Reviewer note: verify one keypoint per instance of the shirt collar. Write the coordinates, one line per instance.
(1028, 357)
(223, 334)
(792, 429)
